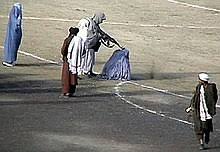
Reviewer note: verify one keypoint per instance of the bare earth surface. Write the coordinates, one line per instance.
(169, 42)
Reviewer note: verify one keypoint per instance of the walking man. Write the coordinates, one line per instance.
(203, 107)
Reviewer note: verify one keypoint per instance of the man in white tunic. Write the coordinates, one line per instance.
(203, 107)
(91, 38)
(74, 57)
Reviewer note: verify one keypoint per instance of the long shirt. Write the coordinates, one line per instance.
(204, 115)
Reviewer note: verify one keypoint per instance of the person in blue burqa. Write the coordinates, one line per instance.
(13, 36)
(118, 66)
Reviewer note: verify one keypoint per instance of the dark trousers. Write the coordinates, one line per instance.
(206, 128)
(72, 89)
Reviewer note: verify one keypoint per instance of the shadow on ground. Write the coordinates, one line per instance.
(34, 64)
(163, 76)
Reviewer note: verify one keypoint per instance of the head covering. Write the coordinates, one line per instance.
(17, 10)
(204, 77)
(73, 30)
(18, 5)
(99, 17)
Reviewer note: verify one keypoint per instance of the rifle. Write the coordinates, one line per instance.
(106, 39)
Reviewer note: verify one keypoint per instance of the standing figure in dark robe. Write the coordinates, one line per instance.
(13, 36)
(67, 89)
(203, 107)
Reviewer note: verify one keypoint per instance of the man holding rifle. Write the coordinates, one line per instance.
(92, 36)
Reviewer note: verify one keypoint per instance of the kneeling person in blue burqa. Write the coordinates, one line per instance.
(118, 66)
(13, 35)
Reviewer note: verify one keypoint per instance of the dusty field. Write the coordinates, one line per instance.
(163, 45)
(169, 44)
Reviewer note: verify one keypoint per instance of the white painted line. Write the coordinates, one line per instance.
(149, 110)
(120, 23)
(161, 90)
(37, 57)
(194, 6)
(50, 19)
(119, 84)
(118, 93)
(45, 19)
(34, 56)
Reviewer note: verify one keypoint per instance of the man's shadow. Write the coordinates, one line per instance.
(34, 64)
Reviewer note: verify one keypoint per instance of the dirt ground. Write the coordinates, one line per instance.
(164, 48)
(169, 43)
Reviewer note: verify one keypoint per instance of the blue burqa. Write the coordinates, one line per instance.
(118, 66)
(14, 34)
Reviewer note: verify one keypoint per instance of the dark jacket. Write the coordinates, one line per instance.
(211, 97)
(64, 49)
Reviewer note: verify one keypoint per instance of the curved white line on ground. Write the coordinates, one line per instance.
(160, 90)
(120, 23)
(117, 93)
(194, 6)
(116, 88)
(143, 108)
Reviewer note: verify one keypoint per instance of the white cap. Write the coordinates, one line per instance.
(204, 77)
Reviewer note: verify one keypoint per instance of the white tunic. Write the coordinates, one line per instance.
(83, 28)
(88, 32)
(204, 115)
(74, 55)
(89, 35)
